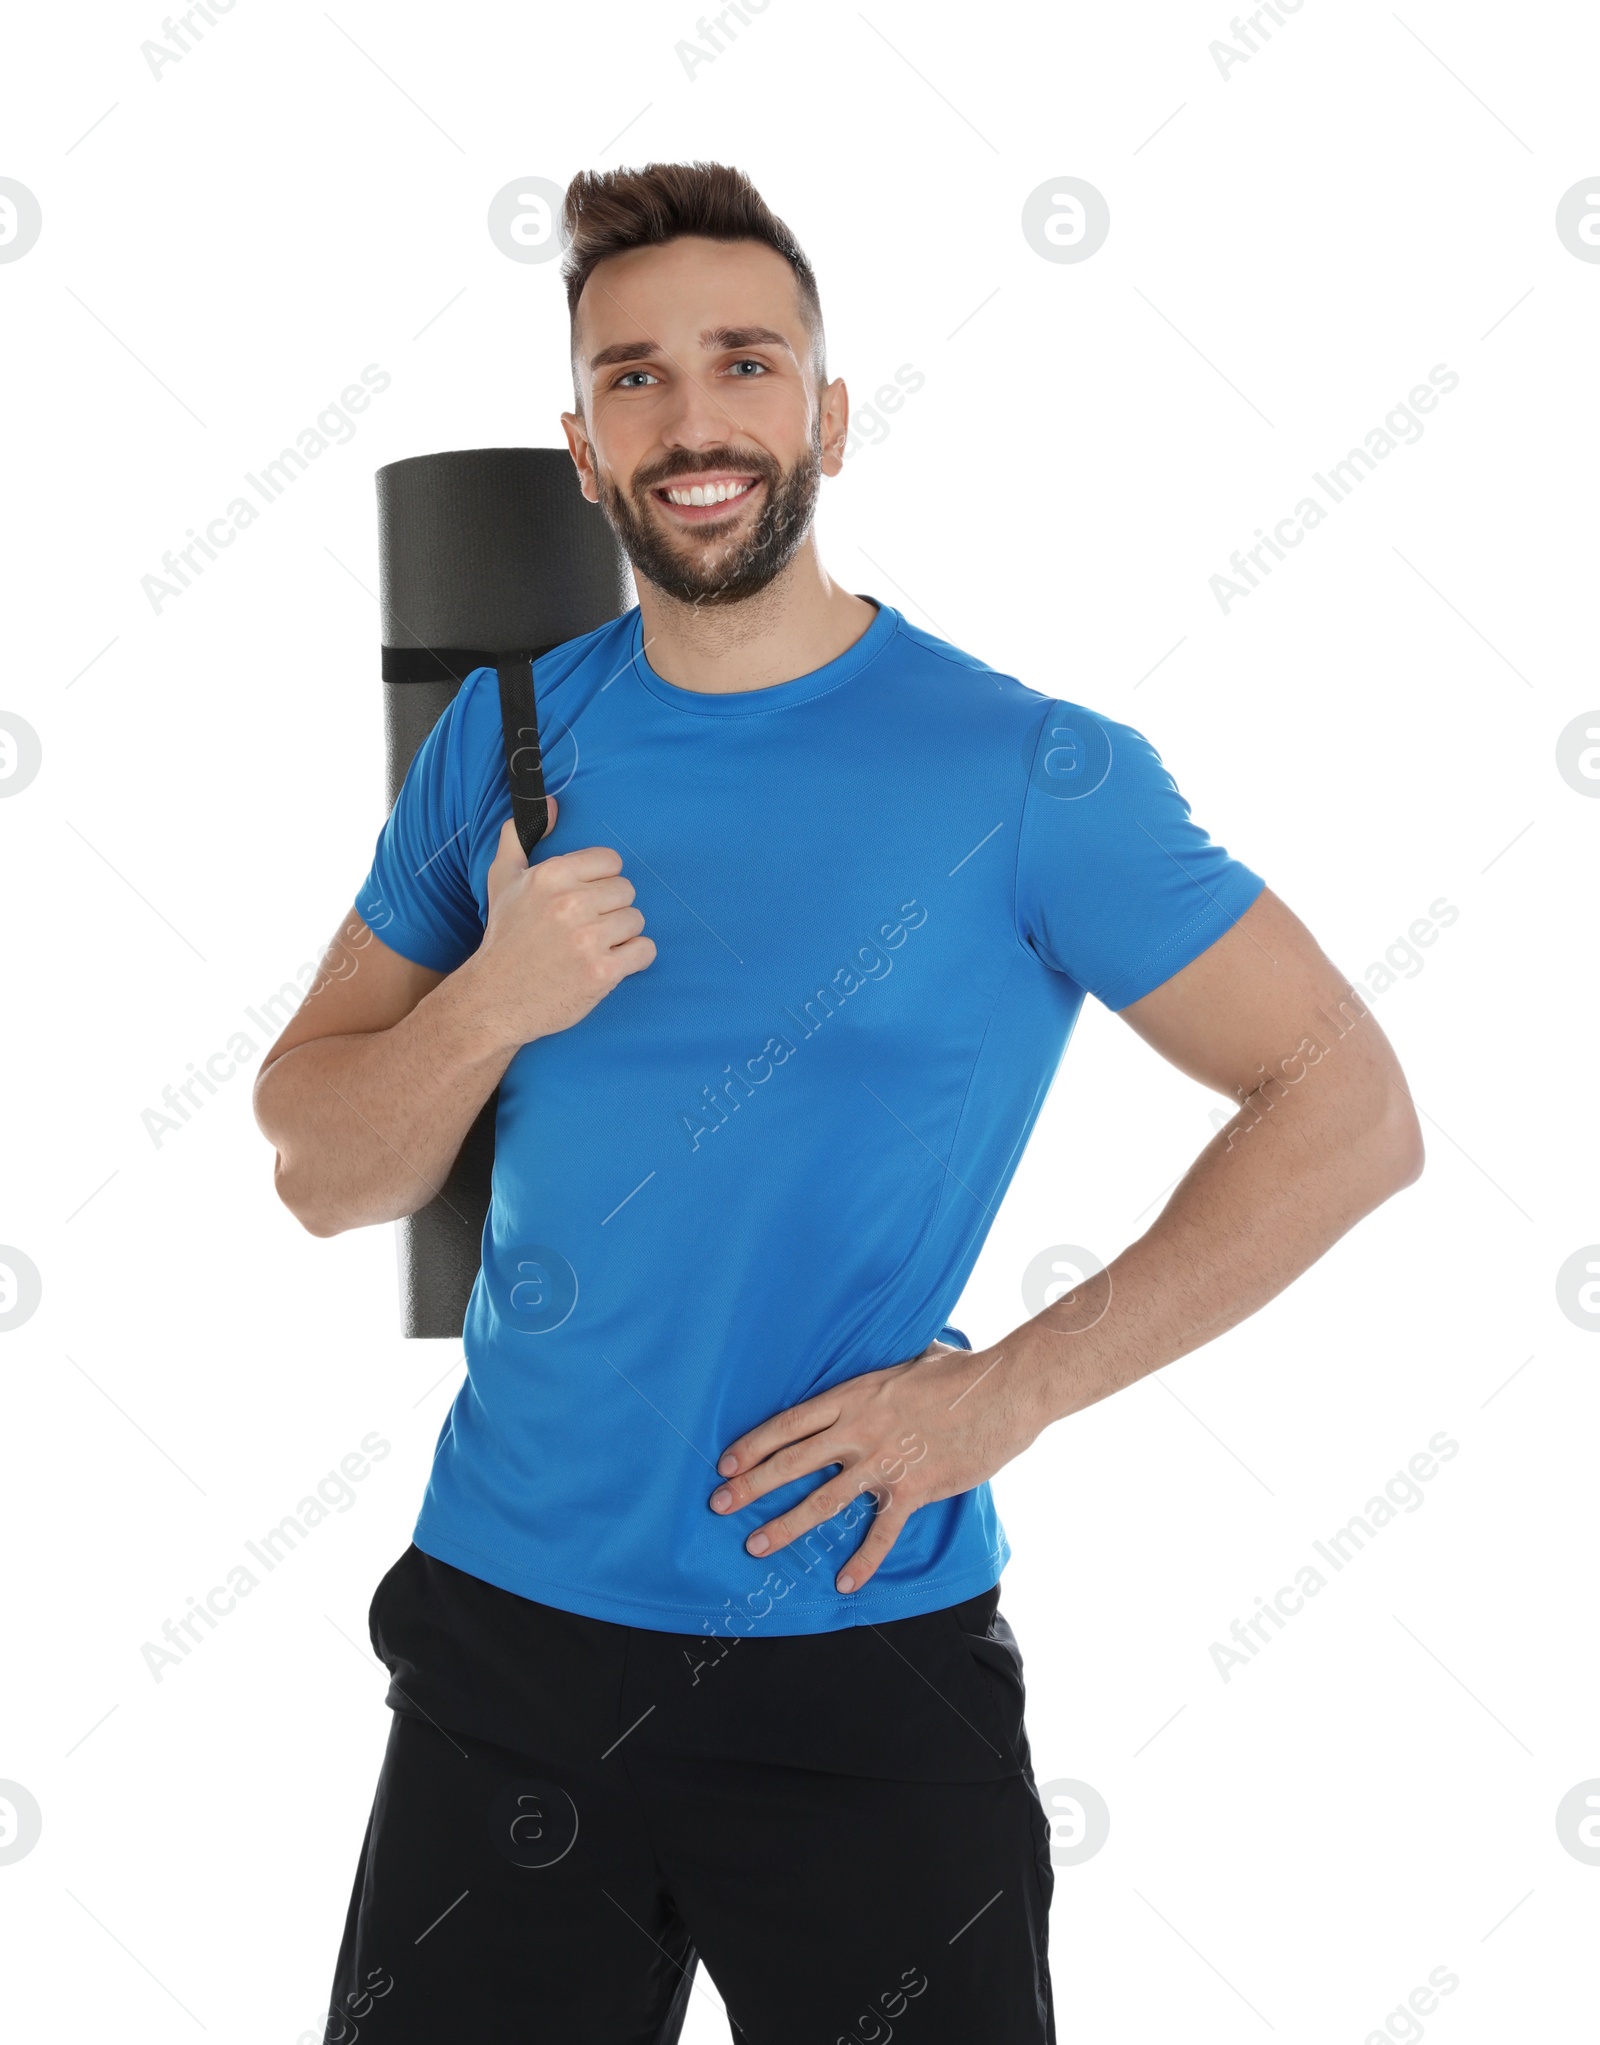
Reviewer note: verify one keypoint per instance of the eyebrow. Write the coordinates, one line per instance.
(718, 338)
(712, 339)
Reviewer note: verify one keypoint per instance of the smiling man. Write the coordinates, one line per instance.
(696, 1652)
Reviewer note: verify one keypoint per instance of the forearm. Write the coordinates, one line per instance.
(1260, 1204)
(367, 1126)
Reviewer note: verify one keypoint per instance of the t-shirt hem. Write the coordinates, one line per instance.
(421, 947)
(840, 1610)
(1228, 904)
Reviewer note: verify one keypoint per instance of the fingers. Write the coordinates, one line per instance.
(610, 892)
(853, 1499)
(825, 1503)
(797, 1442)
(791, 1425)
(799, 1459)
(881, 1537)
(634, 955)
(618, 925)
(590, 862)
(561, 869)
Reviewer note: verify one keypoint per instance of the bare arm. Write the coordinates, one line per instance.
(1327, 1132)
(379, 1074)
(370, 1089)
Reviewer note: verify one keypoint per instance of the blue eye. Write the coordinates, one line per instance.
(749, 363)
(622, 380)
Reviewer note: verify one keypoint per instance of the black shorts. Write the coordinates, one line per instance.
(572, 1814)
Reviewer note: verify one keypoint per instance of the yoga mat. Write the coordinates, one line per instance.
(483, 553)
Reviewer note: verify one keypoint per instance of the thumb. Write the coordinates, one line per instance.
(509, 857)
(508, 861)
(510, 845)
(508, 852)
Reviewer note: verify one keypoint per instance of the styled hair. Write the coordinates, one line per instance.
(608, 211)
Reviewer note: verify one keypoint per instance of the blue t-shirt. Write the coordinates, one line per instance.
(768, 1161)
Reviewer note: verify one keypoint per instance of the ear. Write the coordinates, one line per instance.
(572, 425)
(835, 426)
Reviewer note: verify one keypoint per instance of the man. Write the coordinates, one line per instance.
(697, 1650)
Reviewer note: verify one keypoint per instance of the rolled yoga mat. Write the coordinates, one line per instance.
(483, 553)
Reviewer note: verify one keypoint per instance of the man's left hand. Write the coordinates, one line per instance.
(910, 1435)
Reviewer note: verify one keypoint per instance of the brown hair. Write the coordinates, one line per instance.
(608, 211)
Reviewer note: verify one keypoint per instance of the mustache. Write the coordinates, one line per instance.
(686, 464)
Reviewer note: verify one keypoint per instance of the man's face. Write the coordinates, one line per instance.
(703, 438)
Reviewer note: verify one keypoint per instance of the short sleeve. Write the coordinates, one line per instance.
(1117, 886)
(417, 896)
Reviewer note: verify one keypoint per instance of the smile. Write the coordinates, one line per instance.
(706, 498)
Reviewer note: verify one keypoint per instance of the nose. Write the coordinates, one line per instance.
(697, 416)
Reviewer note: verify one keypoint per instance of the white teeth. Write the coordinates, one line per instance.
(712, 493)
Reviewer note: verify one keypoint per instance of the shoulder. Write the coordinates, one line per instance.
(1053, 741)
(933, 655)
(1057, 736)
(986, 703)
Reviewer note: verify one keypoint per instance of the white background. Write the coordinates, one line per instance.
(1292, 249)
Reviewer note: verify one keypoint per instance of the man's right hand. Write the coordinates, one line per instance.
(377, 1076)
(560, 936)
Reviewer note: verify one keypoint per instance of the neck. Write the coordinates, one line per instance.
(798, 623)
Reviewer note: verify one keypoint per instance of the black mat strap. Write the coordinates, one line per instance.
(519, 724)
(433, 663)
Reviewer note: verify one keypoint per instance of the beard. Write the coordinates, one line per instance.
(709, 565)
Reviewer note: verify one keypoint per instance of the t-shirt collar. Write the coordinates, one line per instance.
(779, 695)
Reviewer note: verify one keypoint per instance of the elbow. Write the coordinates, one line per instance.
(1395, 1141)
(295, 1185)
(316, 1221)
(321, 1228)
